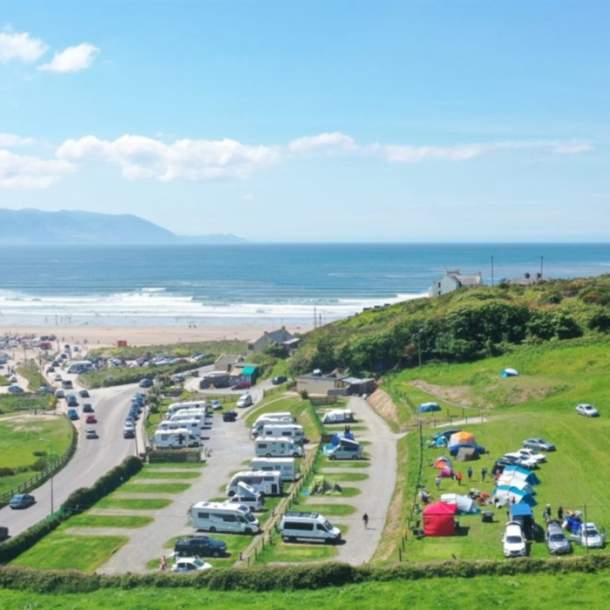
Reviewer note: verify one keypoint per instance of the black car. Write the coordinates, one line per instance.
(84, 394)
(202, 546)
(146, 383)
(88, 408)
(279, 379)
(129, 433)
(229, 416)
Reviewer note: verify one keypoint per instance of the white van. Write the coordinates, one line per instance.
(346, 449)
(175, 439)
(276, 447)
(286, 466)
(268, 483)
(180, 406)
(192, 425)
(223, 517)
(308, 526)
(291, 431)
(338, 416)
(247, 496)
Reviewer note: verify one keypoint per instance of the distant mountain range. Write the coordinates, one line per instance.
(28, 226)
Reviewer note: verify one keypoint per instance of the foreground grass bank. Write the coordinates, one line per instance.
(537, 592)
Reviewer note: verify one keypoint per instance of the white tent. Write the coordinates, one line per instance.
(464, 503)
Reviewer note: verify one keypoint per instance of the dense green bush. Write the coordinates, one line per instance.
(119, 376)
(174, 455)
(600, 321)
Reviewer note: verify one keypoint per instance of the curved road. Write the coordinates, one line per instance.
(92, 458)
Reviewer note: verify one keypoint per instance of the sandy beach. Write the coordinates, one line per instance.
(145, 335)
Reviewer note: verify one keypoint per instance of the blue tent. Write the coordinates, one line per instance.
(509, 373)
(429, 407)
(521, 509)
(514, 495)
(529, 476)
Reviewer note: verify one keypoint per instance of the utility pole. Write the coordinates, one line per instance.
(315, 317)
(541, 266)
(52, 499)
(492, 270)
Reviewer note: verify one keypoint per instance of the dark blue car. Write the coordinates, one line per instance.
(22, 501)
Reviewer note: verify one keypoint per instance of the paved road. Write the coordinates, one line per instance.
(92, 458)
(376, 491)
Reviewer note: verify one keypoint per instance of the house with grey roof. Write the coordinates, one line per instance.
(281, 336)
(453, 280)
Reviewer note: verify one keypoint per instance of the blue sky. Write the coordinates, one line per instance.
(331, 121)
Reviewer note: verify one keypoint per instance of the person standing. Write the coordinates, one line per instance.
(458, 477)
(560, 513)
(469, 472)
(437, 482)
(483, 473)
(365, 520)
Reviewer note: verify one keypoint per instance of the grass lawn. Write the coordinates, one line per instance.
(326, 463)
(89, 520)
(58, 551)
(176, 465)
(523, 592)
(133, 503)
(25, 402)
(151, 473)
(282, 552)
(540, 402)
(162, 488)
(328, 510)
(340, 477)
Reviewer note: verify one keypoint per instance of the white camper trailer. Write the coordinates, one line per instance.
(181, 406)
(271, 418)
(294, 432)
(277, 447)
(338, 416)
(223, 517)
(286, 466)
(268, 483)
(175, 439)
(189, 414)
(192, 425)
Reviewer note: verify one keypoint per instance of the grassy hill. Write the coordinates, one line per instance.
(462, 326)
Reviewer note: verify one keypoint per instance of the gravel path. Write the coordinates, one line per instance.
(230, 446)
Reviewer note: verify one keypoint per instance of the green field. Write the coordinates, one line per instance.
(143, 487)
(179, 350)
(540, 402)
(25, 402)
(59, 551)
(29, 442)
(90, 520)
(133, 503)
(529, 592)
(152, 473)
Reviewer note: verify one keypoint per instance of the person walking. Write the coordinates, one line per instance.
(483, 473)
(469, 472)
(560, 513)
(365, 520)
(458, 477)
(163, 563)
(437, 482)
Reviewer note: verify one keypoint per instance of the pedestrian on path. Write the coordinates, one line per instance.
(365, 520)
(163, 563)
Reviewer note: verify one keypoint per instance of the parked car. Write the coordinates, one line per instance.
(88, 408)
(84, 394)
(129, 432)
(57, 377)
(520, 460)
(229, 416)
(279, 379)
(556, 540)
(513, 540)
(242, 385)
(587, 410)
(59, 394)
(308, 527)
(90, 433)
(67, 384)
(146, 383)
(245, 400)
(50, 370)
(590, 536)
(16, 389)
(72, 400)
(201, 546)
(190, 564)
(72, 414)
(538, 444)
(91, 419)
(20, 501)
(216, 405)
(527, 455)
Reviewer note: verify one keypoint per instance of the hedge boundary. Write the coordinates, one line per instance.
(291, 578)
(78, 501)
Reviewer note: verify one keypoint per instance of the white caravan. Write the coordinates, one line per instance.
(338, 416)
(276, 447)
(180, 406)
(294, 432)
(286, 466)
(175, 439)
(192, 425)
(223, 517)
(268, 483)
(311, 527)
(283, 417)
(189, 414)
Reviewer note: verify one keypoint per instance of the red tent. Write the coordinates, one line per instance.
(439, 519)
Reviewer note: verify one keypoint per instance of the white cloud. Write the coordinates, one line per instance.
(20, 46)
(10, 140)
(324, 141)
(26, 172)
(72, 59)
(141, 157)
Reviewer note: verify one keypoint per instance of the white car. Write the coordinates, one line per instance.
(522, 460)
(587, 410)
(513, 541)
(190, 564)
(590, 537)
(528, 454)
(244, 401)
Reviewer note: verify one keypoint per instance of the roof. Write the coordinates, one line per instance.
(440, 508)
(249, 369)
(521, 510)
(465, 280)
(280, 335)
(356, 380)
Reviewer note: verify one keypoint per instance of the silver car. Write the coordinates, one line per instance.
(556, 540)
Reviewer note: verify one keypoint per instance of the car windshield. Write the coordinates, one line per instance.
(556, 537)
(249, 517)
(198, 562)
(514, 539)
(327, 526)
(591, 532)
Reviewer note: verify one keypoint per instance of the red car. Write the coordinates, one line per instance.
(91, 419)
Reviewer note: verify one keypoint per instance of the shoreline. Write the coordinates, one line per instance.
(148, 335)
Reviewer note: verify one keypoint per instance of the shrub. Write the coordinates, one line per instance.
(174, 455)
(599, 321)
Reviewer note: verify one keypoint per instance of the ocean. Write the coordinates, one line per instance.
(251, 283)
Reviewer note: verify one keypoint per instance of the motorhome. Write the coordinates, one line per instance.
(291, 431)
(345, 449)
(223, 517)
(175, 439)
(338, 416)
(311, 527)
(263, 420)
(268, 483)
(276, 447)
(189, 414)
(247, 496)
(191, 404)
(286, 466)
(192, 425)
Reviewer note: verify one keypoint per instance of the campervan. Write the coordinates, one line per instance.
(276, 447)
(309, 527)
(192, 425)
(338, 416)
(291, 431)
(192, 404)
(247, 496)
(345, 449)
(269, 418)
(175, 439)
(223, 517)
(189, 414)
(286, 466)
(268, 483)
